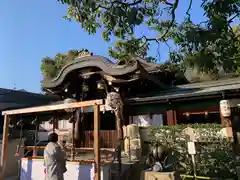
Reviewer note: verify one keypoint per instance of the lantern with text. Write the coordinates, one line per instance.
(225, 108)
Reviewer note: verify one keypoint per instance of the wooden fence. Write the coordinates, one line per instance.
(108, 139)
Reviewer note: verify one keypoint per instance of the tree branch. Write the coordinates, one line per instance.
(174, 7)
(236, 15)
(169, 47)
(188, 10)
(127, 4)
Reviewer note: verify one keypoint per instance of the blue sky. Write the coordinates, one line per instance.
(33, 29)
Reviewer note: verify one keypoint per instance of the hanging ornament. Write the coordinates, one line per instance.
(114, 101)
(19, 124)
(85, 87)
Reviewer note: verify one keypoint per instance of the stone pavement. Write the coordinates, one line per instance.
(11, 178)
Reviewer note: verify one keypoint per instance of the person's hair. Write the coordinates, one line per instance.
(53, 137)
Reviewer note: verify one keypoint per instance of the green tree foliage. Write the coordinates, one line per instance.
(236, 57)
(212, 44)
(208, 45)
(50, 67)
(119, 19)
(214, 153)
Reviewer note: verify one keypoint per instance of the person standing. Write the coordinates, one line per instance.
(54, 159)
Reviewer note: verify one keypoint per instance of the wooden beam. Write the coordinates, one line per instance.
(5, 140)
(200, 112)
(97, 158)
(102, 109)
(106, 153)
(69, 149)
(53, 107)
(81, 162)
(171, 117)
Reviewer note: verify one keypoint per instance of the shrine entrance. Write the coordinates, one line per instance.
(108, 133)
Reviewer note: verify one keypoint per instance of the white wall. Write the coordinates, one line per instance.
(64, 124)
(34, 170)
(47, 127)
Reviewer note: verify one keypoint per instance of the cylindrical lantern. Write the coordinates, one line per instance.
(67, 101)
(225, 108)
(100, 85)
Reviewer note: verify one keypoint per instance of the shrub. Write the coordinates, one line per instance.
(214, 156)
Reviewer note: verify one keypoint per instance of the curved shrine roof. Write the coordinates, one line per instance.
(106, 67)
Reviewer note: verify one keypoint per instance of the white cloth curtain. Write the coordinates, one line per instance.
(147, 120)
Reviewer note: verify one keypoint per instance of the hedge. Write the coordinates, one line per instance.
(214, 156)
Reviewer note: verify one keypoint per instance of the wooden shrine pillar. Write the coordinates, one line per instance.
(97, 169)
(171, 116)
(5, 140)
(235, 123)
(230, 119)
(125, 113)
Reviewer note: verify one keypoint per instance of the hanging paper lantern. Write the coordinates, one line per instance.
(100, 85)
(225, 108)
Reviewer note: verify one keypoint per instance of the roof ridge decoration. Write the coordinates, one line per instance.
(84, 53)
(104, 64)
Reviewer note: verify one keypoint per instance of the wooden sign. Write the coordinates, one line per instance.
(150, 175)
(191, 148)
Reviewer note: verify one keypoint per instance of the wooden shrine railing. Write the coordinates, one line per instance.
(96, 107)
(106, 154)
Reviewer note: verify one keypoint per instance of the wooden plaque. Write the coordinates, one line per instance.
(149, 175)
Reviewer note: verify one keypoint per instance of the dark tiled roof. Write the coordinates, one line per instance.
(216, 83)
(11, 99)
(192, 90)
(188, 90)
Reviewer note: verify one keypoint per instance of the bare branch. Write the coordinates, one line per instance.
(158, 50)
(169, 47)
(188, 10)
